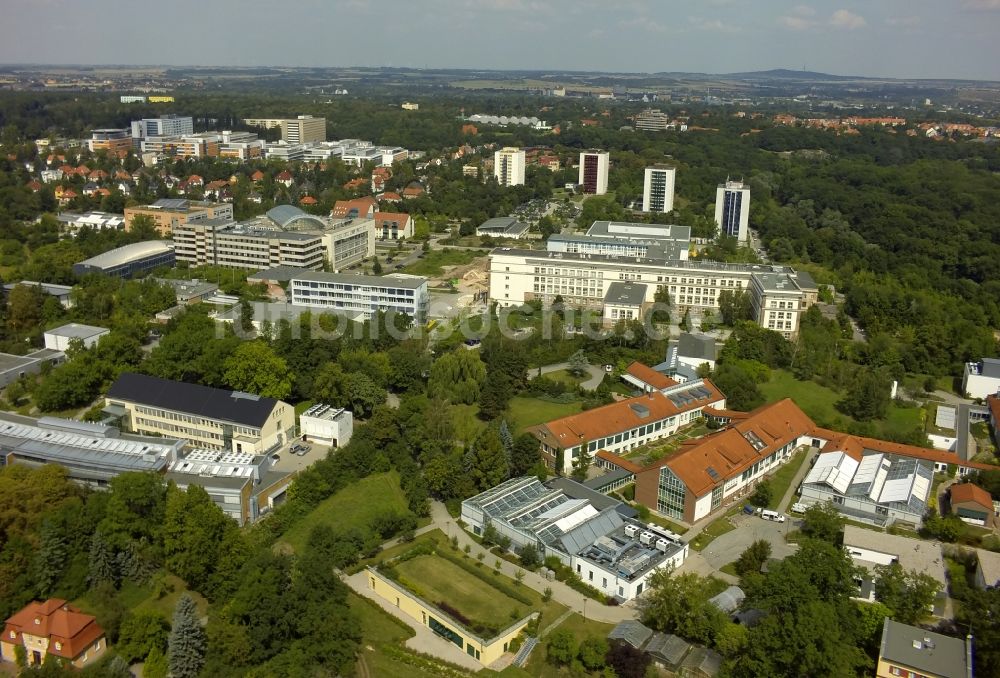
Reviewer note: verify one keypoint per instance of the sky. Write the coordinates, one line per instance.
(881, 38)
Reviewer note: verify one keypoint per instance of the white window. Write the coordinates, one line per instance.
(58, 645)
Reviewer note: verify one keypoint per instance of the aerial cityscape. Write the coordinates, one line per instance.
(525, 339)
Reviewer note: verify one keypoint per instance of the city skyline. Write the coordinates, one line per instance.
(890, 38)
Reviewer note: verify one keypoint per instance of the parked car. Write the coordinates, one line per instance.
(749, 510)
(772, 515)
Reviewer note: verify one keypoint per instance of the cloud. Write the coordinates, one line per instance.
(644, 24)
(982, 5)
(903, 21)
(797, 23)
(803, 10)
(847, 19)
(712, 25)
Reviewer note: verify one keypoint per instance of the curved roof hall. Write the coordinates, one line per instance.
(286, 215)
(129, 253)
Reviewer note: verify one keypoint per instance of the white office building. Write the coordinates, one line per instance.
(164, 126)
(508, 166)
(362, 294)
(981, 379)
(658, 188)
(622, 238)
(594, 172)
(326, 425)
(59, 338)
(732, 209)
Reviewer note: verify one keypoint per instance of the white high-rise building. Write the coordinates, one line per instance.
(732, 209)
(658, 189)
(594, 172)
(164, 126)
(508, 166)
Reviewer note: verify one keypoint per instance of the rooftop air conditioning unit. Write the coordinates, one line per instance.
(662, 545)
(630, 530)
(646, 538)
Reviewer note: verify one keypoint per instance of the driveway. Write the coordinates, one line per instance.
(596, 373)
(291, 463)
(728, 547)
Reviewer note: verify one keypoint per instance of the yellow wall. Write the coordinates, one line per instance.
(882, 671)
(489, 649)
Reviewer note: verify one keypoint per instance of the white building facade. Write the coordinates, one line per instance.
(732, 210)
(594, 172)
(658, 188)
(508, 166)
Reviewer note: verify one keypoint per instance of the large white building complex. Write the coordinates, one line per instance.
(581, 270)
(594, 172)
(362, 295)
(658, 188)
(732, 209)
(595, 535)
(164, 126)
(285, 236)
(508, 166)
(299, 130)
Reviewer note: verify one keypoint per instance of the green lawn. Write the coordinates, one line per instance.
(581, 629)
(353, 506)
(713, 530)
(782, 478)
(819, 402)
(564, 377)
(433, 262)
(524, 412)
(438, 580)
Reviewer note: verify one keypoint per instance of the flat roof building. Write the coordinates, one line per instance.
(129, 260)
(327, 425)
(92, 454)
(165, 125)
(362, 294)
(59, 338)
(658, 188)
(508, 166)
(908, 651)
(982, 379)
(593, 534)
(168, 213)
(116, 142)
(503, 227)
(14, 367)
(61, 292)
(594, 172)
(73, 221)
(870, 549)
(211, 418)
(732, 210)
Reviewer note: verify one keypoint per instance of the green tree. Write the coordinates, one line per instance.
(909, 594)
(592, 652)
(678, 604)
(255, 368)
(487, 463)
(187, 640)
(823, 522)
(102, 562)
(457, 376)
(246, 316)
(155, 665)
(753, 558)
(578, 364)
(50, 559)
(524, 455)
(762, 494)
(582, 461)
(140, 634)
(529, 556)
(867, 396)
(734, 306)
(363, 393)
(561, 648)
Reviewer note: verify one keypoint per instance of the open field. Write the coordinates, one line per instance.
(524, 412)
(819, 402)
(437, 581)
(433, 263)
(353, 506)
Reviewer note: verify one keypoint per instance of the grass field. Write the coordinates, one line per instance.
(819, 402)
(437, 580)
(353, 506)
(708, 535)
(525, 412)
(782, 478)
(564, 377)
(433, 262)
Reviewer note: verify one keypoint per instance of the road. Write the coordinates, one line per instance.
(728, 547)
(596, 373)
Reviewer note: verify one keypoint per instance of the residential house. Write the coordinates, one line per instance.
(56, 628)
(284, 178)
(393, 226)
(973, 505)
(667, 651)
(912, 651)
(363, 208)
(414, 189)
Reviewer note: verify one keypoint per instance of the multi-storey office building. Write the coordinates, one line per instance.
(240, 145)
(653, 120)
(164, 126)
(220, 242)
(203, 145)
(594, 172)
(582, 280)
(656, 241)
(113, 141)
(362, 294)
(211, 418)
(658, 188)
(299, 130)
(168, 213)
(732, 209)
(508, 166)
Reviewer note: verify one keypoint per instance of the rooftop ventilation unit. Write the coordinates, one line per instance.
(646, 538)
(662, 545)
(630, 530)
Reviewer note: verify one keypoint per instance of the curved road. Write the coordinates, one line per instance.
(595, 371)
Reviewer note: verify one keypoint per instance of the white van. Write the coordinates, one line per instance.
(772, 515)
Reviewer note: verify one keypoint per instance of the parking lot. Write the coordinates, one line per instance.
(729, 546)
(292, 462)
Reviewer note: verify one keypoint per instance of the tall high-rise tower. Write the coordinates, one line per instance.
(508, 166)
(594, 172)
(732, 209)
(658, 189)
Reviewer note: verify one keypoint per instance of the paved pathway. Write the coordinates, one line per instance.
(789, 496)
(560, 591)
(596, 374)
(425, 640)
(727, 547)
